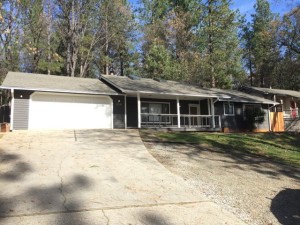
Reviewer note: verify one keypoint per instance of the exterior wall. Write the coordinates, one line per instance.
(264, 127)
(237, 121)
(132, 112)
(204, 107)
(184, 106)
(21, 109)
(118, 111)
(231, 122)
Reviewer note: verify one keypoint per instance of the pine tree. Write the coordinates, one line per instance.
(10, 35)
(265, 50)
(218, 43)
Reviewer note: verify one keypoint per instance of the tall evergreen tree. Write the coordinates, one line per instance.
(218, 43)
(288, 76)
(10, 35)
(265, 49)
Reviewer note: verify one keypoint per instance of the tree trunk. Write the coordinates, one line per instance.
(106, 43)
(210, 46)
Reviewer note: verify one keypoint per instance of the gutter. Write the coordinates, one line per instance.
(58, 91)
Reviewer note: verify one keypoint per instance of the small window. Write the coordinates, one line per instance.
(228, 108)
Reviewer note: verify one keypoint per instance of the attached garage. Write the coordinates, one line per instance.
(69, 111)
(58, 102)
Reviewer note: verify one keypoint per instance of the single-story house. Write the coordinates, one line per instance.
(289, 101)
(117, 102)
(169, 104)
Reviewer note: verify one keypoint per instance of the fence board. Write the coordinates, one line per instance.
(277, 121)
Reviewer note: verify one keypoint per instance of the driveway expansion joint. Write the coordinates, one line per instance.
(108, 208)
(61, 188)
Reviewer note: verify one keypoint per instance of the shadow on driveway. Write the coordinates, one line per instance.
(285, 206)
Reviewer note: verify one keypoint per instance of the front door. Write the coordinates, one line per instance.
(193, 111)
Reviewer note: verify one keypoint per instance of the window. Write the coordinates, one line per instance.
(228, 108)
(152, 112)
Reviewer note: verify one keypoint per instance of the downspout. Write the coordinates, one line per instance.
(139, 109)
(212, 102)
(213, 112)
(12, 108)
(178, 111)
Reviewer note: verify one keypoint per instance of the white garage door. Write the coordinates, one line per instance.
(69, 111)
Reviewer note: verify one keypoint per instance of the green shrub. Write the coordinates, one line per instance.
(254, 117)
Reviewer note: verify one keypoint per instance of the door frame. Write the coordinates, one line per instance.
(198, 113)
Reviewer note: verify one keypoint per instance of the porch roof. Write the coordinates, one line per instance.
(166, 87)
(238, 96)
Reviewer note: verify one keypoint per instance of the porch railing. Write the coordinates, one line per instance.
(186, 120)
(291, 113)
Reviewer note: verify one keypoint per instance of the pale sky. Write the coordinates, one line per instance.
(246, 6)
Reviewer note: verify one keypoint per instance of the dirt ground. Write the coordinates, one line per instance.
(256, 190)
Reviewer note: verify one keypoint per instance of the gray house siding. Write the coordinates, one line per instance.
(265, 124)
(184, 106)
(204, 107)
(118, 111)
(132, 112)
(234, 122)
(21, 109)
(237, 121)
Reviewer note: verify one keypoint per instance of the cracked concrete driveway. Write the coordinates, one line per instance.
(94, 177)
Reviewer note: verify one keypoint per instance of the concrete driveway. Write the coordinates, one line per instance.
(94, 177)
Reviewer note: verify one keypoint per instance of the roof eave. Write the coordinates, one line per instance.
(176, 95)
(58, 90)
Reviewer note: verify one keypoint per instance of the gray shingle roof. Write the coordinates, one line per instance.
(238, 96)
(51, 83)
(281, 92)
(145, 85)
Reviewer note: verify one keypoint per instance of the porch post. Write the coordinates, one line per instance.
(208, 106)
(213, 113)
(12, 109)
(139, 110)
(178, 112)
(125, 114)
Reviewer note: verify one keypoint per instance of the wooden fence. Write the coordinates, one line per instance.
(277, 121)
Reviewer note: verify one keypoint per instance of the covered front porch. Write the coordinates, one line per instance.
(173, 112)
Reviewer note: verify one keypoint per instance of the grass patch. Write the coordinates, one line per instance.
(281, 147)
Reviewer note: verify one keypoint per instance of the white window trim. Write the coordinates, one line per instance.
(150, 102)
(230, 103)
(157, 103)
